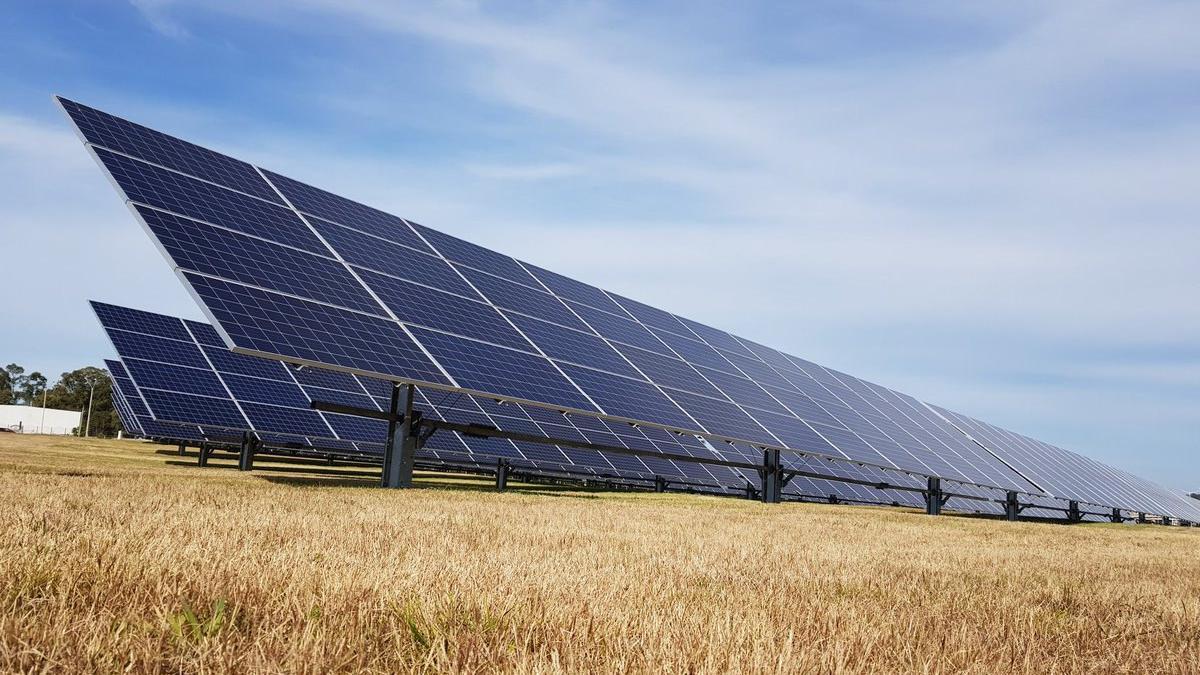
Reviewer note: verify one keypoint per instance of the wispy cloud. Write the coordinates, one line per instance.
(157, 15)
(524, 172)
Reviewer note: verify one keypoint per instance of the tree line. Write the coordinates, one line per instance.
(70, 392)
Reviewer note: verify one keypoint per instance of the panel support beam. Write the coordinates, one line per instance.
(503, 469)
(400, 453)
(1073, 513)
(833, 499)
(246, 451)
(182, 448)
(1012, 506)
(772, 476)
(1116, 516)
(204, 452)
(935, 499)
(660, 484)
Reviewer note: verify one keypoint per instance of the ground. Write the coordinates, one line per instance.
(118, 555)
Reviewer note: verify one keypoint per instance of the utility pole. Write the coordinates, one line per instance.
(87, 430)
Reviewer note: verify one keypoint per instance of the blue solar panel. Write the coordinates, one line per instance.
(175, 192)
(342, 211)
(422, 306)
(619, 329)
(275, 324)
(132, 139)
(565, 344)
(202, 410)
(370, 252)
(523, 299)
(475, 365)
(164, 350)
(570, 289)
(231, 255)
(268, 300)
(134, 320)
(478, 257)
(153, 375)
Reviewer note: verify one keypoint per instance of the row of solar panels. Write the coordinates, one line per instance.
(174, 374)
(290, 272)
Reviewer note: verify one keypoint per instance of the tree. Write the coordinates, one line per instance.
(31, 388)
(72, 392)
(6, 395)
(14, 376)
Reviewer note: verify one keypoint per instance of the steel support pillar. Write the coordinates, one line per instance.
(1141, 518)
(833, 499)
(1073, 514)
(751, 492)
(182, 448)
(204, 452)
(772, 477)
(1012, 506)
(660, 484)
(1116, 516)
(933, 496)
(329, 460)
(502, 471)
(401, 451)
(246, 452)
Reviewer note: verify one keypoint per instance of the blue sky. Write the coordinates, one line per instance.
(990, 206)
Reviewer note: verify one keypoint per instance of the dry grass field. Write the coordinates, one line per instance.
(117, 556)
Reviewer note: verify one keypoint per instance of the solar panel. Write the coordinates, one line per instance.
(286, 270)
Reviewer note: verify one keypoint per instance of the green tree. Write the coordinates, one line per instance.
(31, 389)
(6, 395)
(14, 377)
(71, 392)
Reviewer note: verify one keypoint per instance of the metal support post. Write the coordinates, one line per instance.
(1116, 516)
(182, 448)
(751, 493)
(329, 460)
(203, 461)
(1012, 506)
(771, 475)
(1141, 518)
(246, 452)
(401, 452)
(933, 496)
(1073, 514)
(502, 471)
(833, 499)
(660, 484)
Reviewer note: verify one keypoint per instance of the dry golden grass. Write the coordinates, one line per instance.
(113, 558)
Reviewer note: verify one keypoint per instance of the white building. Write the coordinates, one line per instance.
(32, 420)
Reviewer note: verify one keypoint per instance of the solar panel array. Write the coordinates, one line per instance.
(155, 342)
(289, 271)
(1062, 472)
